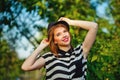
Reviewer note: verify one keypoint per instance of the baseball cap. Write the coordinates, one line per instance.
(58, 22)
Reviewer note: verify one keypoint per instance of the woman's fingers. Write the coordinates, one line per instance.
(64, 19)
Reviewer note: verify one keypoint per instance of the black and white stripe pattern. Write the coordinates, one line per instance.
(69, 66)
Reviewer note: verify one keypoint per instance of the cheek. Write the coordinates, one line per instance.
(56, 39)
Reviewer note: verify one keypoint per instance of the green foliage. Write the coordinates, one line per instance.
(53, 9)
(9, 62)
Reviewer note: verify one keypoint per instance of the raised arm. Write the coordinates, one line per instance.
(92, 28)
(32, 63)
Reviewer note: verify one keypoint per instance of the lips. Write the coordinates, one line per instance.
(65, 39)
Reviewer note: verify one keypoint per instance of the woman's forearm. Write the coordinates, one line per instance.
(80, 23)
(32, 58)
(87, 25)
(32, 62)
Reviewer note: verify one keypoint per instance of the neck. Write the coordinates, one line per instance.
(65, 48)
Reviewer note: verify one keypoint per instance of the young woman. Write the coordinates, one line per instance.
(63, 62)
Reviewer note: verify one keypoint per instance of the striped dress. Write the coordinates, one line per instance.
(69, 66)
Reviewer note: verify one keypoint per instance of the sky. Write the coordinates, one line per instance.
(23, 48)
(26, 48)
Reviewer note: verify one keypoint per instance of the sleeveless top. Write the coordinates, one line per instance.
(71, 65)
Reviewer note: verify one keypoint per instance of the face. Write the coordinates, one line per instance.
(61, 36)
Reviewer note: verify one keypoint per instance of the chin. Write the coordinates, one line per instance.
(67, 44)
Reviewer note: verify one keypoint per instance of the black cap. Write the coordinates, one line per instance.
(55, 23)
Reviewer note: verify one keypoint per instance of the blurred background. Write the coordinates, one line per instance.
(23, 25)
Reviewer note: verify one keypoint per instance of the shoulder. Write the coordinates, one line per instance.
(78, 47)
(48, 54)
(79, 51)
(48, 57)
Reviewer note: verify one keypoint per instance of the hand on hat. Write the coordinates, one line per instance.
(65, 19)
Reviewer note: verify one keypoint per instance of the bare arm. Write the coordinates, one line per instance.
(32, 63)
(92, 28)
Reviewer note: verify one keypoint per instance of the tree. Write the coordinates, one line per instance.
(105, 64)
(13, 27)
(9, 62)
(17, 23)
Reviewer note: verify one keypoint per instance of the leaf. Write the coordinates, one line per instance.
(94, 58)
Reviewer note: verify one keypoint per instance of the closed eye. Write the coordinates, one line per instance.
(58, 34)
(65, 31)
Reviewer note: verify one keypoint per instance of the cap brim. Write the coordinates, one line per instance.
(59, 22)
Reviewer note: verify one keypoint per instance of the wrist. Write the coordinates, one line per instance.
(70, 22)
(41, 46)
(38, 49)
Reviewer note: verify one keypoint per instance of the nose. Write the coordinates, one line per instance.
(64, 35)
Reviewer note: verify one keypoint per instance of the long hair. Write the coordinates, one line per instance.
(52, 45)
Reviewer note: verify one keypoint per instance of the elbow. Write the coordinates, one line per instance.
(24, 68)
(95, 26)
(28, 68)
